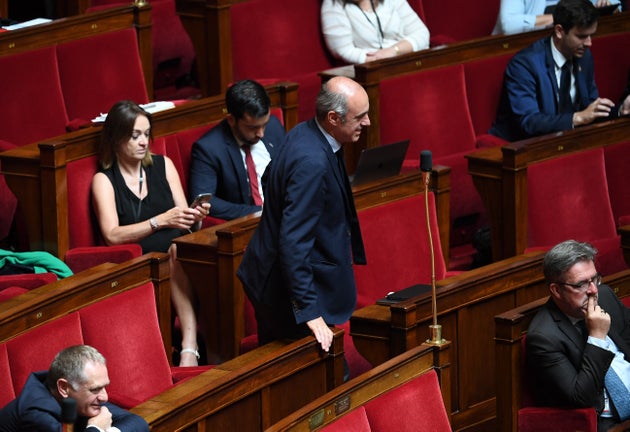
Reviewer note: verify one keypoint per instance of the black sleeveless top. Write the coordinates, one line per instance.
(158, 200)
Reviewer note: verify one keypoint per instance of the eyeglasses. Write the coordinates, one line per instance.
(584, 285)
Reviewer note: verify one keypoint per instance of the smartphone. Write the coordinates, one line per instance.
(200, 199)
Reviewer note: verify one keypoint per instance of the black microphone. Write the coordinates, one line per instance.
(426, 165)
(68, 414)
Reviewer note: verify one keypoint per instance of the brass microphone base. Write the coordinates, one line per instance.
(436, 335)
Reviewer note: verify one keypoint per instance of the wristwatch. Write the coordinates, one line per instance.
(154, 224)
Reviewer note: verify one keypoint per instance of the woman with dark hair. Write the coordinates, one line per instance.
(138, 197)
(359, 31)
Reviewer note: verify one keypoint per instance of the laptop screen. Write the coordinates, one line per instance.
(380, 162)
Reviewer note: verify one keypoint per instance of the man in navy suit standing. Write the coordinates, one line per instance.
(220, 160)
(532, 101)
(297, 269)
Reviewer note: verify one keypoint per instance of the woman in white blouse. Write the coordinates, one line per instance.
(359, 31)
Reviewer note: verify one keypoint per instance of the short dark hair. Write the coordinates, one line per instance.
(575, 13)
(69, 364)
(117, 130)
(565, 255)
(247, 97)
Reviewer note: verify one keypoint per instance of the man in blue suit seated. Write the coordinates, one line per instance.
(221, 159)
(532, 101)
(297, 268)
(78, 372)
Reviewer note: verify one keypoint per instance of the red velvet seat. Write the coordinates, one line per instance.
(617, 159)
(415, 405)
(288, 45)
(611, 69)
(32, 105)
(567, 198)
(484, 79)
(431, 109)
(532, 418)
(397, 248)
(460, 19)
(97, 71)
(87, 248)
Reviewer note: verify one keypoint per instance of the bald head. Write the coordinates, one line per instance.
(342, 109)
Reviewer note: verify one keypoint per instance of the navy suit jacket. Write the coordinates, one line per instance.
(217, 167)
(302, 246)
(565, 370)
(529, 99)
(36, 410)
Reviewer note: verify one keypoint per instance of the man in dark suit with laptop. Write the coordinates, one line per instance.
(534, 100)
(297, 269)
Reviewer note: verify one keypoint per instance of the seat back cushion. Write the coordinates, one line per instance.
(291, 47)
(7, 394)
(34, 350)
(181, 151)
(290, 44)
(430, 108)
(125, 329)
(471, 20)
(484, 79)
(397, 247)
(354, 421)
(33, 106)
(27, 281)
(82, 224)
(611, 69)
(617, 159)
(98, 71)
(417, 402)
(568, 199)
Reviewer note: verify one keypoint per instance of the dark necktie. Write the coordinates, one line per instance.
(253, 177)
(565, 104)
(358, 251)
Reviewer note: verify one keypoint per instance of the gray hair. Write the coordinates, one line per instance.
(328, 100)
(69, 364)
(565, 255)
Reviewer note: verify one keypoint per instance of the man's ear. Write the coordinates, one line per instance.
(554, 289)
(62, 387)
(333, 118)
(558, 31)
(231, 120)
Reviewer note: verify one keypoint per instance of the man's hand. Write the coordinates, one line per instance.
(624, 110)
(599, 108)
(103, 419)
(322, 332)
(597, 320)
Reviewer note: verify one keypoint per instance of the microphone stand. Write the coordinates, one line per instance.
(435, 328)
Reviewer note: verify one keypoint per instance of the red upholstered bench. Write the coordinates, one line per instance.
(124, 328)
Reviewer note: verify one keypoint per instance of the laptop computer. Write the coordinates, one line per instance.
(379, 162)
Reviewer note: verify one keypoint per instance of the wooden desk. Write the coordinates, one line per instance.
(211, 257)
(500, 176)
(466, 305)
